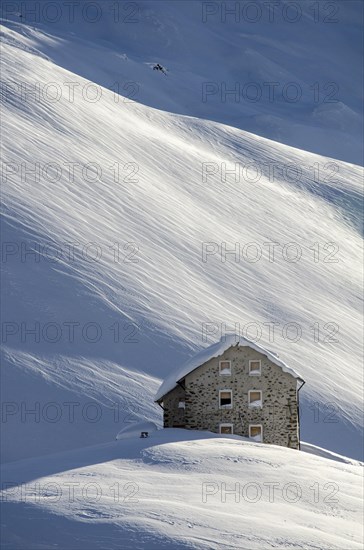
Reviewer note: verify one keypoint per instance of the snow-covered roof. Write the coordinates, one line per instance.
(216, 350)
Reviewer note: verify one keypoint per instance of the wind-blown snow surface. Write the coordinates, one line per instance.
(152, 293)
(289, 71)
(75, 401)
(120, 293)
(182, 489)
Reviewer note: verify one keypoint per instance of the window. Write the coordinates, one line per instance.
(255, 368)
(225, 399)
(226, 428)
(255, 398)
(181, 404)
(256, 432)
(225, 368)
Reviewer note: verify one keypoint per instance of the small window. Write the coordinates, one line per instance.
(226, 428)
(256, 432)
(255, 368)
(255, 398)
(181, 404)
(226, 399)
(225, 368)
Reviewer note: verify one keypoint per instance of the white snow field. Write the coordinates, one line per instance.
(288, 71)
(122, 205)
(183, 489)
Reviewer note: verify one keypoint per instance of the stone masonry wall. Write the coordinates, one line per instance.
(173, 416)
(278, 415)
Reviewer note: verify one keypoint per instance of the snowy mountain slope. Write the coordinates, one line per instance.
(151, 192)
(53, 403)
(116, 215)
(182, 489)
(292, 72)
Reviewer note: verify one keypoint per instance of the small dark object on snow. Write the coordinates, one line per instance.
(144, 434)
(159, 67)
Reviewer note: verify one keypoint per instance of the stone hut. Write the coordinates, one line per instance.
(235, 387)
